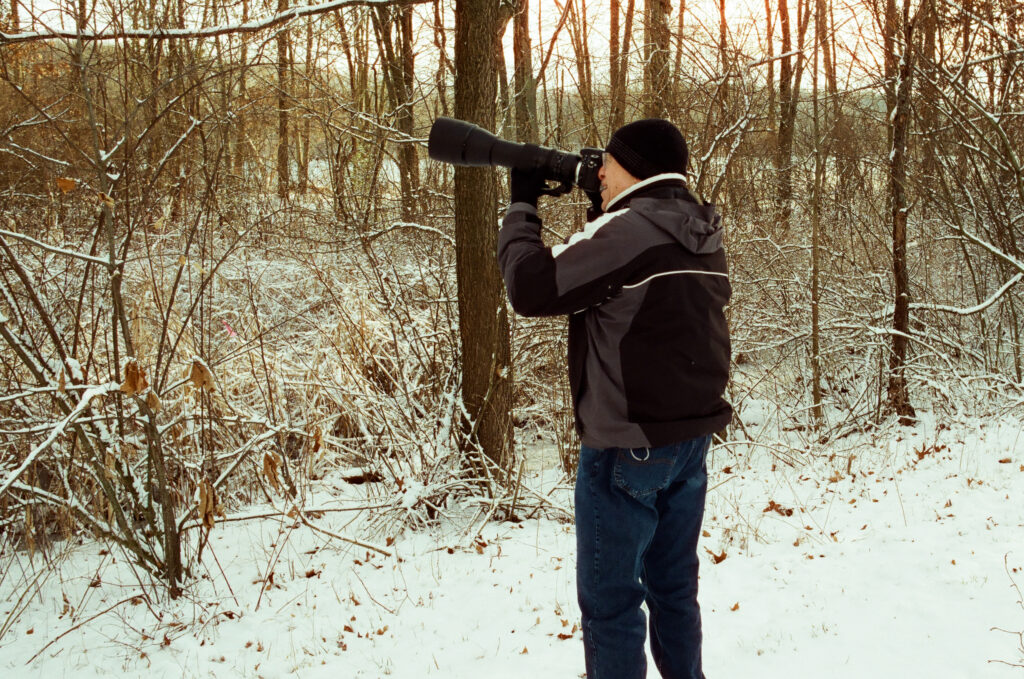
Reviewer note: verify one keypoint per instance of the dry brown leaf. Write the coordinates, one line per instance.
(199, 374)
(716, 558)
(270, 464)
(61, 382)
(777, 508)
(153, 402)
(134, 378)
(735, 606)
(207, 504)
(105, 199)
(66, 185)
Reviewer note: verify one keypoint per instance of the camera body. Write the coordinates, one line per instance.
(465, 144)
(591, 160)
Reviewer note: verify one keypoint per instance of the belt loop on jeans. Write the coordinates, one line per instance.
(647, 455)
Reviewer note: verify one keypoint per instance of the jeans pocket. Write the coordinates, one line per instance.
(639, 473)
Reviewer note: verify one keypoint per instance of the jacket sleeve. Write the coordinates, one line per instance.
(544, 281)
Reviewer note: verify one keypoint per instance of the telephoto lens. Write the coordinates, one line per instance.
(457, 142)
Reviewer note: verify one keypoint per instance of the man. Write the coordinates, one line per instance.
(645, 285)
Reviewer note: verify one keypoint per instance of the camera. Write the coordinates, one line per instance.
(460, 143)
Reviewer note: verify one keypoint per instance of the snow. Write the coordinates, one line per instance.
(899, 552)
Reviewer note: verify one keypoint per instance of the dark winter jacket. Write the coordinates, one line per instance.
(645, 285)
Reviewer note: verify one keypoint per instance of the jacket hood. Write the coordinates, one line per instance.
(666, 202)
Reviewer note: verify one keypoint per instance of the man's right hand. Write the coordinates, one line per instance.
(595, 210)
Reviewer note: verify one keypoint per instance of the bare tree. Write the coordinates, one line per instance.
(900, 57)
(789, 96)
(618, 62)
(483, 314)
(399, 79)
(525, 95)
(657, 45)
(283, 102)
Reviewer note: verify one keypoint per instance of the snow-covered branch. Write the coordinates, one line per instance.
(976, 308)
(54, 249)
(59, 429)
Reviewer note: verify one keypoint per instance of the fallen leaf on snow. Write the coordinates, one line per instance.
(716, 558)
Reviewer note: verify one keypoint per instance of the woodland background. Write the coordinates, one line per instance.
(229, 270)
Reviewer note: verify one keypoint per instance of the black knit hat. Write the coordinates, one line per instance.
(648, 147)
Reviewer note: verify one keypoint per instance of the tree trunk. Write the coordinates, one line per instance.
(816, 407)
(525, 95)
(784, 150)
(789, 97)
(677, 69)
(398, 81)
(579, 36)
(898, 395)
(619, 63)
(770, 41)
(483, 316)
(304, 135)
(241, 147)
(657, 76)
(282, 107)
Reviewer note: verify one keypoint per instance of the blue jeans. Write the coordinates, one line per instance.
(638, 519)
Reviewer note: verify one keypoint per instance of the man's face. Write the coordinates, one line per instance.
(614, 180)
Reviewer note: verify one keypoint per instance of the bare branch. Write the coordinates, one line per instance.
(974, 309)
(253, 26)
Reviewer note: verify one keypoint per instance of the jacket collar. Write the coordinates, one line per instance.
(668, 178)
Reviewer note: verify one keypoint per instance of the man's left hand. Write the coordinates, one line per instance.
(526, 185)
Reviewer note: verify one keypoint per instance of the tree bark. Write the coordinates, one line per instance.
(770, 42)
(898, 394)
(657, 45)
(619, 63)
(483, 315)
(784, 150)
(241, 152)
(399, 80)
(819, 171)
(579, 36)
(525, 95)
(304, 135)
(283, 38)
(789, 97)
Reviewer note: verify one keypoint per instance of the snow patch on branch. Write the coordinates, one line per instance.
(59, 429)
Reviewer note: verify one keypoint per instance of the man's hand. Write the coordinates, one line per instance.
(595, 210)
(526, 185)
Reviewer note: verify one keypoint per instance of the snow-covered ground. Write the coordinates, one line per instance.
(899, 563)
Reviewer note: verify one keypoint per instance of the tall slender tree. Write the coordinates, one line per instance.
(399, 81)
(483, 315)
(618, 62)
(657, 46)
(283, 89)
(899, 29)
(525, 95)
